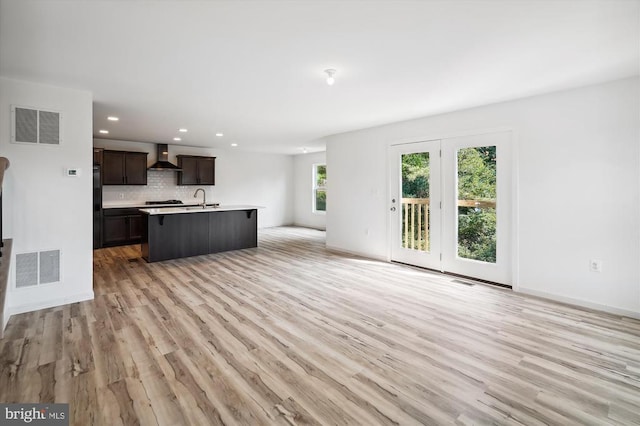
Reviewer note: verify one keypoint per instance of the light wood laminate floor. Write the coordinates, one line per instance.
(290, 333)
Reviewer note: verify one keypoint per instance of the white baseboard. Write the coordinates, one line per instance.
(581, 303)
(301, 225)
(356, 253)
(29, 307)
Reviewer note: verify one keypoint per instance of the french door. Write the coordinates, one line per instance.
(450, 205)
(415, 204)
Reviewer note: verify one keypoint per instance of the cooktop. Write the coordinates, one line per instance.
(164, 202)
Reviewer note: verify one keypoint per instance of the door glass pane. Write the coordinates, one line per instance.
(415, 201)
(477, 203)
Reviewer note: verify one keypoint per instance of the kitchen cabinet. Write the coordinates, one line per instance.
(233, 230)
(97, 208)
(195, 232)
(124, 168)
(121, 227)
(97, 156)
(196, 170)
(175, 236)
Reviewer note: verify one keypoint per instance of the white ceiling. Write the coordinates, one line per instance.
(253, 70)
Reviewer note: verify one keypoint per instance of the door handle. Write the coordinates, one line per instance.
(393, 209)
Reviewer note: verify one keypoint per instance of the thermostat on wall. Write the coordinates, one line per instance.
(73, 172)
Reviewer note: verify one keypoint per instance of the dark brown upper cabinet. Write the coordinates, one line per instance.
(196, 170)
(97, 156)
(124, 168)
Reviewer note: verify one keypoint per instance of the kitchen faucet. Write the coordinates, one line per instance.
(204, 197)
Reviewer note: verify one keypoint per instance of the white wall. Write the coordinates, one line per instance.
(43, 209)
(577, 176)
(241, 178)
(303, 214)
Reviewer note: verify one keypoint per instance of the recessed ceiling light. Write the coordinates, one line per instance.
(304, 150)
(112, 118)
(234, 144)
(183, 130)
(177, 139)
(104, 132)
(219, 135)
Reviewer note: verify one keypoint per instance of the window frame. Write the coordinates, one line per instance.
(315, 187)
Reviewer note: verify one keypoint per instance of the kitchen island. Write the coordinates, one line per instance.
(176, 232)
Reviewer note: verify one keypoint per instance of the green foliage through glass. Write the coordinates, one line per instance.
(477, 203)
(319, 189)
(321, 175)
(415, 175)
(415, 201)
(321, 200)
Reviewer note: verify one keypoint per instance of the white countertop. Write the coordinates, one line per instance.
(137, 204)
(196, 209)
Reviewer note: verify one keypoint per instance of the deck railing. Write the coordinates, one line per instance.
(415, 220)
(415, 223)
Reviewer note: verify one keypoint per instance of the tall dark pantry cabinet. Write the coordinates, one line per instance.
(97, 199)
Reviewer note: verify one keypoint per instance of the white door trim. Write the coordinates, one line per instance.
(515, 176)
(427, 259)
(500, 270)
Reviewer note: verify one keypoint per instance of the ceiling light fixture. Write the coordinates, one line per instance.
(234, 144)
(219, 135)
(177, 139)
(183, 130)
(104, 132)
(304, 150)
(330, 73)
(112, 118)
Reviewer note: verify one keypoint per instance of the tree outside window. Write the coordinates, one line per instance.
(319, 188)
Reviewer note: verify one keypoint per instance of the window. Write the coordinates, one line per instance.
(319, 188)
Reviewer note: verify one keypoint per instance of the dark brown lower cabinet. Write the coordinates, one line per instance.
(172, 236)
(135, 227)
(121, 227)
(233, 230)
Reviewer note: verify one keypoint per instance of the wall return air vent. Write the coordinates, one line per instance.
(37, 268)
(35, 126)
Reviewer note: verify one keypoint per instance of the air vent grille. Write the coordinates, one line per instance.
(26, 269)
(35, 126)
(37, 268)
(49, 266)
(26, 125)
(49, 127)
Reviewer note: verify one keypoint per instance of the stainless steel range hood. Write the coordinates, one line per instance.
(163, 159)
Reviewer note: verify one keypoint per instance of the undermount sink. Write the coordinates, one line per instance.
(208, 206)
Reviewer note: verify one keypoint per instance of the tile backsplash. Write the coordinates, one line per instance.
(161, 185)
